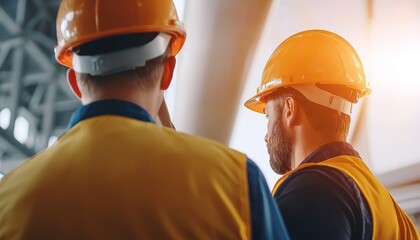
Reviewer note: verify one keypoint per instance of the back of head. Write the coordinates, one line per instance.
(323, 71)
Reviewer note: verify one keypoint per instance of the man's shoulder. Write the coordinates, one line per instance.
(324, 187)
(318, 177)
(202, 144)
(327, 198)
(122, 127)
(147, 139)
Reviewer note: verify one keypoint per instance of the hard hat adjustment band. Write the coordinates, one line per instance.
(123, 60)
(324, 98)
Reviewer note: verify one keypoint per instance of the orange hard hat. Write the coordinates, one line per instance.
(81, 21)
(309, 58)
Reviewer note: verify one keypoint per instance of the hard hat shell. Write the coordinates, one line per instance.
(82, 21)
(311, 57)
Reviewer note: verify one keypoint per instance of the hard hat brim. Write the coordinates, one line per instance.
(255, 104)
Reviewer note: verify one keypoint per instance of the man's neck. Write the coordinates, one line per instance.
(150, 100)
(308, 143)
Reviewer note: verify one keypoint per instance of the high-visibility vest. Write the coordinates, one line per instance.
(389, 220)
(113, 177)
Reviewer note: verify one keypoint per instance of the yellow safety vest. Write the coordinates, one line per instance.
(390, 222)
(113, 177)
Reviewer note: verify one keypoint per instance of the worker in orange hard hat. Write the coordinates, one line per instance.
(307, 91)
(115, 174)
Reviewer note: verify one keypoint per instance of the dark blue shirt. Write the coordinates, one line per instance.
(266, 220)
(319, 202)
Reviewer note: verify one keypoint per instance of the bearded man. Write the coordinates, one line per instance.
(326, 192)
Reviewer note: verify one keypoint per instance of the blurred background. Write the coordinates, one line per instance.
(227, 46)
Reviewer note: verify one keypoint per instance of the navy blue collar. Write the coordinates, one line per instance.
(331, 150)
(110, 107)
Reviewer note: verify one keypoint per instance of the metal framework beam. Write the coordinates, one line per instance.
(14, 39)
(16, 90)
(20, 14)
(43, 61)
(48, 116)
(8, 23)
(31, 84)
(15, 144)
(4, 52)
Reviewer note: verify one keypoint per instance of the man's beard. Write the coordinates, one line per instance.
(280, 149)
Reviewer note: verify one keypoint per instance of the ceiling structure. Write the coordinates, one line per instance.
(35, 102)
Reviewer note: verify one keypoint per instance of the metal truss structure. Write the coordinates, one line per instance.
(35, 101)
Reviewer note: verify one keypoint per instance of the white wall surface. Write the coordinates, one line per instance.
(394, 107)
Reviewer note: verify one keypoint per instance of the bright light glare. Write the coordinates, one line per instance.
(1, 175)
(52, 140)
(395, 100)
(171, 92)
(396, 63)
(407, 66)
(21, 129)
(180, 7)
(5, 118)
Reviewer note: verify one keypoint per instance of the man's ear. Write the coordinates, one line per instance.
(290, 111)
(72, 80)
(168, 71)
